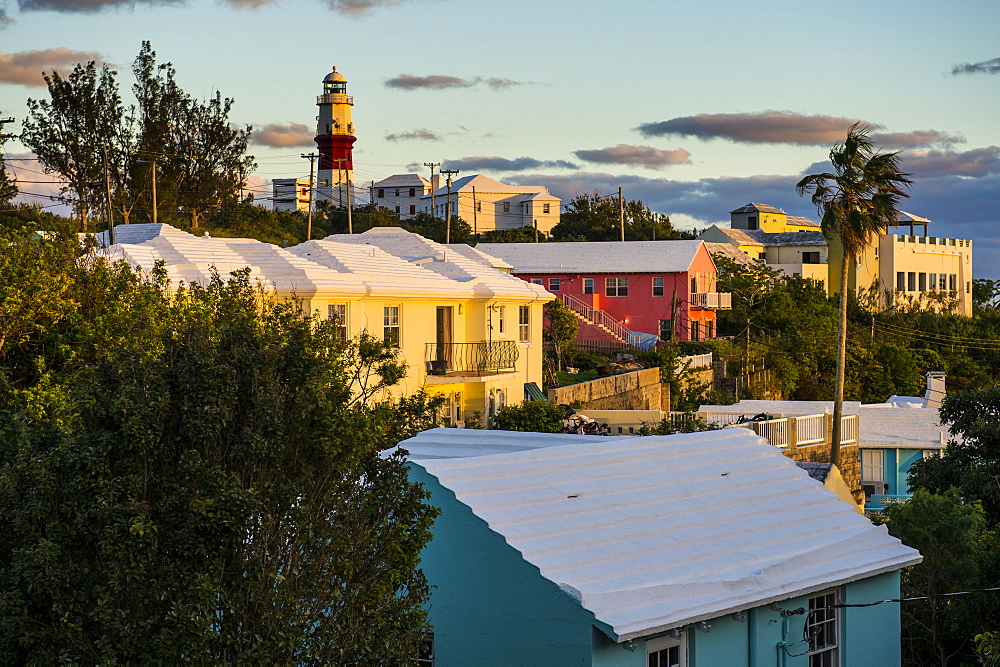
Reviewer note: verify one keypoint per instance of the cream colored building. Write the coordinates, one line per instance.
(290, 194)
(401, 193)
(465, 330)
(486, 204)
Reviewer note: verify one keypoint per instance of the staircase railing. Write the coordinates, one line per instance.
(601, 319)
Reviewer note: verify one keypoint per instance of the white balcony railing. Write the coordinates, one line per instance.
(810, 430)
(775, 431)
(848, 429)
(712, 300)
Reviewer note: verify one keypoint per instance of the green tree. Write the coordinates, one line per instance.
(434, 228)
(72, 132)
(951, 535)
(858, 201)
(597, 217)
(8, 186)
(524, 234)
(561, 327)
(194, 475)
(532, 416)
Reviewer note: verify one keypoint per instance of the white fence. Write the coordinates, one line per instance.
(695, 361)
(810, 430)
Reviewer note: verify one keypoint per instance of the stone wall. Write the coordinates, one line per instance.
(850, 464)
(638, 390)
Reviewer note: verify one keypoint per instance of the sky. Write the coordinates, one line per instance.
(694, 108)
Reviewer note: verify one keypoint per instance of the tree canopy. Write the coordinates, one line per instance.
(190, 474)
(596, 217)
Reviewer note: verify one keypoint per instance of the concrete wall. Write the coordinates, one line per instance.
(638, 390)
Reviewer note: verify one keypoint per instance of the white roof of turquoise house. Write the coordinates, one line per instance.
(350, 269)
(653, 533)
(596, 256)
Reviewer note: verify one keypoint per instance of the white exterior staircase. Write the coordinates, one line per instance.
(602, 320)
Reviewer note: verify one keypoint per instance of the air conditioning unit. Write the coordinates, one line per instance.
(873, 488)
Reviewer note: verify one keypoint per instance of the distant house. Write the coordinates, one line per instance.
(401, 193)
(686, 550)
(487, 204)
(799, 254)
(656, 289)
(290, 194)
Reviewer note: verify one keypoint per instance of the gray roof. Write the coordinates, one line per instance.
(818, 471)
(757, 208)
(730, 252)
(657, 532)
(772, 239)
(596, 256)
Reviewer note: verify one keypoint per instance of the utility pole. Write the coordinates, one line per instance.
(312, 163)
(107, 190)
(475, 227)
(621, 212)
(371, 195)
(350, 224)
(432, 165)
(447, 205)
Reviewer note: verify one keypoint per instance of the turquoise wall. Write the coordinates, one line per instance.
(490, 607)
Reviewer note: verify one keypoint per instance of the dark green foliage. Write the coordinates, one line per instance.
(8, 187)
(560, 330)
(596, 217)
(684, 423)
(195, 477)
(435, 228)
(951, 534)
(282, 228)
(533, 416)
(517, 235)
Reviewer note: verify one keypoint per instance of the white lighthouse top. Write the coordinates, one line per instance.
(335, 76)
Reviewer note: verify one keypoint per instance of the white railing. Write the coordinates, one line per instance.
(696, 361)
(722, 418)
(601, 319)
(810, 430)
(719, 300)
(848, 429)
(776, 431)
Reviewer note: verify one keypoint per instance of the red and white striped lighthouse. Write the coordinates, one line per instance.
(335, 140)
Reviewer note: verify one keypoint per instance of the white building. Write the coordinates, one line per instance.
(290, 194)
(401, 193)
(486, 204)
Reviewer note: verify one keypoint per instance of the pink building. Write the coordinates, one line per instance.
(632, 291)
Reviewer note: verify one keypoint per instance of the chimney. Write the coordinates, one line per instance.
(935, 389)
(435, 181)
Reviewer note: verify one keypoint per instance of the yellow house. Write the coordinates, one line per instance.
(465, 330)
(769, 219)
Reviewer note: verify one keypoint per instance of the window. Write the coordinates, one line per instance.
(536, 281)
(911, 282)
(390, 325)
(413, 192)
(554, 284)
(900, 281)
(456, 405)
(546, 208)
(932, 282)
(871, 465)
(338, 313)
(922, 281)
(694, 284)
(381, 193)
(810, 257)
(942, 282)
(616, 286)
(524, 324)
(658, 286)
(413, 209)
(752, 222)
(425, 657)
(506, 207)
(968, 287)
(952, 282)
(822, 630)
(695, 331)
(397, 210)
(666, 329)
(588, 285)
(710, 329)
(395, 192)
(762, 256)
(501, 314)
(666, 652)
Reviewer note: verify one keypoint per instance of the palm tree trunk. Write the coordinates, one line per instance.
(838, 390)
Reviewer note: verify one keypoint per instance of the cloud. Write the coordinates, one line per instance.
(4, 19)
(87, 6)
(359, 8)
(283, 135)
(443, 81)
(975, 163)
(785, 127)
(495, 163)
(985, 67)
(25, 67)
(646, 156)
(420, 134)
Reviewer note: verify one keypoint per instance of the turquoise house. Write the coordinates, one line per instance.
(704, 549)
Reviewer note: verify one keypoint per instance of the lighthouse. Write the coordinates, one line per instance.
(335, 140)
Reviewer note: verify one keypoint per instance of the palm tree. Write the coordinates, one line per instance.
(857, 203)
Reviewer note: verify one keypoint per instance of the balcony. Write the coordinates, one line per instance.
(475, 359)
(784, 432)
(712, 300)
(335, 98)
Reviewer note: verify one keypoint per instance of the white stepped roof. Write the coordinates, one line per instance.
(485, 184)
(596, 256)
(652, 533)
(350, 268)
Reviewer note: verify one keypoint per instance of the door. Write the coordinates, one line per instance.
(443, 337)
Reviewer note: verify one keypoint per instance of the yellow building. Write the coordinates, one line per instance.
(486, 204)
(769, 219)
(465, 330)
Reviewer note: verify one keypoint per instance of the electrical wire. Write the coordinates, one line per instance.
(917, 597)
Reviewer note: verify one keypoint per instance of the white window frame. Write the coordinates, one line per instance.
(524, 324)
(392, 321)
(555, 284)
(872, 463)
(820, 621)
(616, 287)
(588, 285)
(658, 285)
(536, 281)
(654, 646)
(338, 313)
